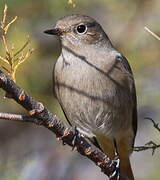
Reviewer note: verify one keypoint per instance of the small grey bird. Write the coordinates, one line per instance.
(95, 87)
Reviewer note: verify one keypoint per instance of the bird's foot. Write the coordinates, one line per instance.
(76, 135)
(116, 172)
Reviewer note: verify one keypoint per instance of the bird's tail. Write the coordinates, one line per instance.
(108, 147)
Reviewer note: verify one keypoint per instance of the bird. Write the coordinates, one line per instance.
(95, 87)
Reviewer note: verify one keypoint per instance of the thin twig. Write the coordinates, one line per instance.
(156, 125)
(8, 25)
(5, 14)
(149, 146)
(152, 33)
(4, 60)
(19, 117)
(11, 58)
(23, 47)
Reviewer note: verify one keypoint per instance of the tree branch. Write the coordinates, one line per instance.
(19, 117)
(151, 145)
(41, 116)
(148, 146)
(152, 33)
(155, 125)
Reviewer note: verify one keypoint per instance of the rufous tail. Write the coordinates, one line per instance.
(108, 147)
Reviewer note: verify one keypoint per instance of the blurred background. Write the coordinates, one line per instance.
(29, 152)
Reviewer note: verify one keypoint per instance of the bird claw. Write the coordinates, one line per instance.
(74, 141)
(117, 161)
(116, 172)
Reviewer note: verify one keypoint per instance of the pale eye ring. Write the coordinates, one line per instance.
(81, 29)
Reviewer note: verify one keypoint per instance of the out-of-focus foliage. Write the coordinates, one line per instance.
(28, 152)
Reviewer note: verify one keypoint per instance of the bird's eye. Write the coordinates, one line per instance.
(81, 29)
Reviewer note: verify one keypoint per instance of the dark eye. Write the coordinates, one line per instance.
(81, 29)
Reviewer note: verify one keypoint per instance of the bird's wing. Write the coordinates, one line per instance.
(127, 67)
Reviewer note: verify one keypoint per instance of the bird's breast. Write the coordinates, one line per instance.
(90, 98)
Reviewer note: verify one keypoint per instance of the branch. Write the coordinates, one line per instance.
(150, 145)
(12, 60)
(41, 116)
(152, 33)
(19, 117)
(155, 125)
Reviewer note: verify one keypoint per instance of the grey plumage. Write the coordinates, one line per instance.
(93, 82)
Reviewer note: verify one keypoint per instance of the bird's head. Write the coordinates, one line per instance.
(78, 30)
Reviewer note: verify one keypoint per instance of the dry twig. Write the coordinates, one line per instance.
(152, 33)
(151, 145)
(12, 60)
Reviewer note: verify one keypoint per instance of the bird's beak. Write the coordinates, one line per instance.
(54, 31)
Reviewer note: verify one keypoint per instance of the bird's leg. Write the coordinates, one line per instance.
(116, 158)
(74, 142)
(76, 134)
(116, 161)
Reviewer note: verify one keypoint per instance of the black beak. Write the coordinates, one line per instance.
(54, 31)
